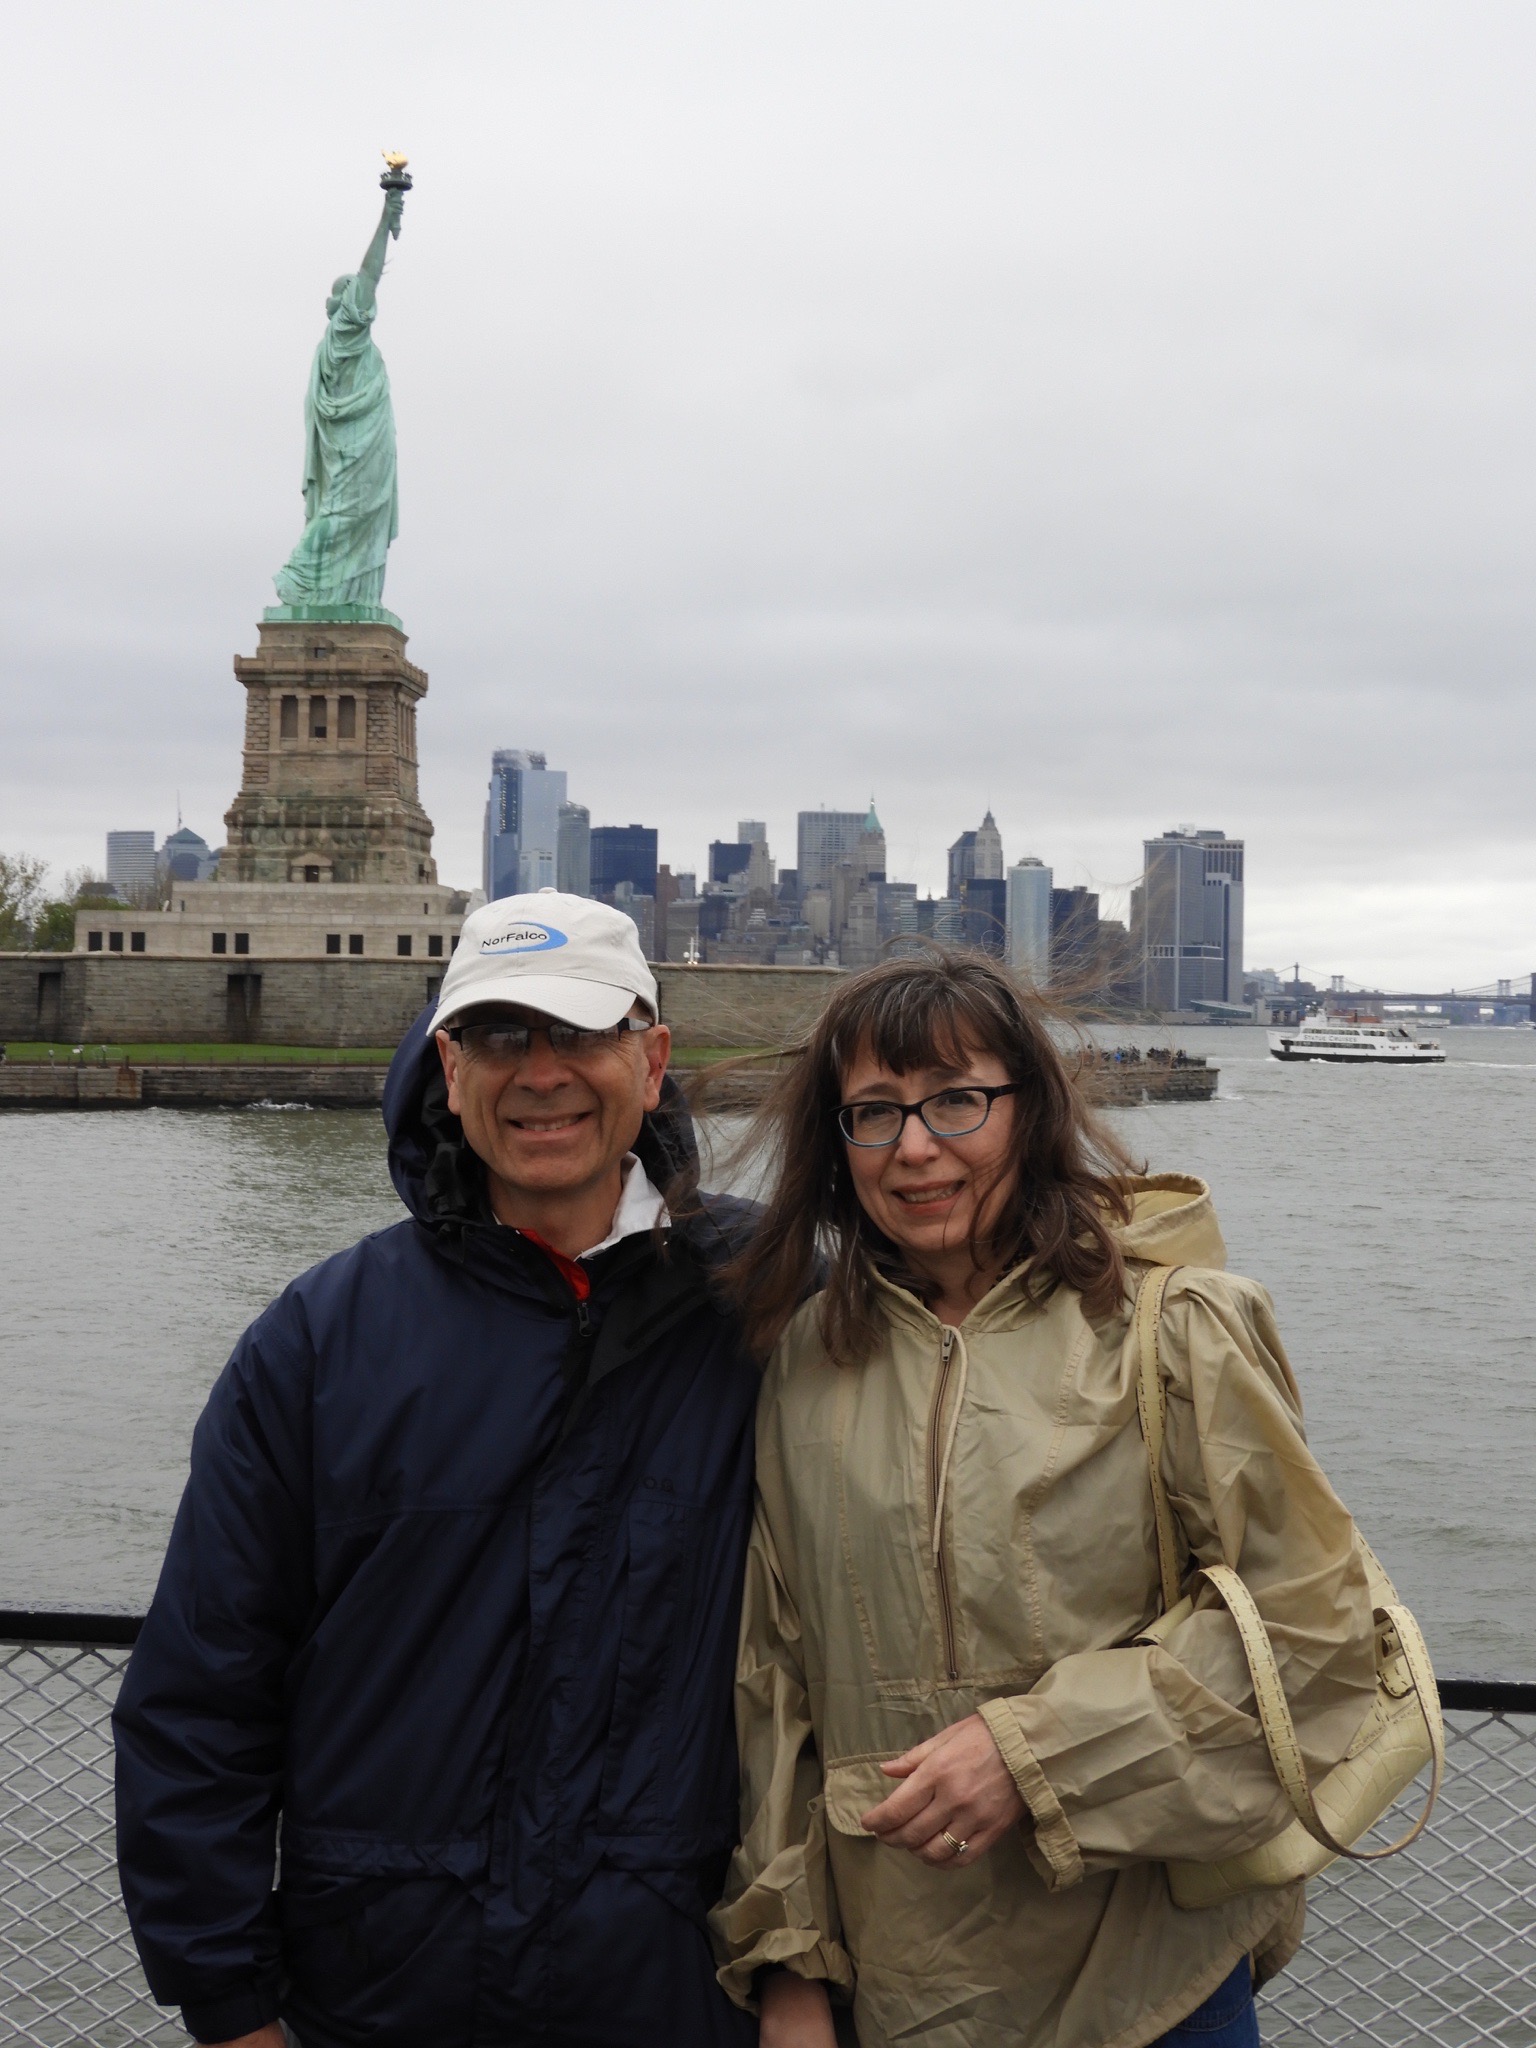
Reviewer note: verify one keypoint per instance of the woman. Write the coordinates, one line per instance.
(962, 1771)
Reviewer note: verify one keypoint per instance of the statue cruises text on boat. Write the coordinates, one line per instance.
(1355, 1041)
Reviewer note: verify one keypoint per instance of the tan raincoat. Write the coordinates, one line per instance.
(965, 1523)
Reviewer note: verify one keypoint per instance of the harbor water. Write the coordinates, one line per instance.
(1392, 1215)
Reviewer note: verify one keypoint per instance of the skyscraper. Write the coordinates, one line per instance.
(976, 857)
(522, 823)
(869, 851)
(573, 853)
(131, 859)
(984, 914)
(826, 839)
(1191, 914)
(1029, 920)
(623, 853)
(989, 851)
(187, 857)
(1074, 935)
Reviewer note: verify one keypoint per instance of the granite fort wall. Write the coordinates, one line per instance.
(742, 1006)
(122, 998)
(95, 999)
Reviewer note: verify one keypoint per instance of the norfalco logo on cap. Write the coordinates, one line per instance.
(524, 938)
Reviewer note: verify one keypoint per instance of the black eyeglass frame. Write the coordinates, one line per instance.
(600, 1035)
(846, 1111)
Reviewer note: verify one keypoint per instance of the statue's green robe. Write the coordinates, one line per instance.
(350, 494)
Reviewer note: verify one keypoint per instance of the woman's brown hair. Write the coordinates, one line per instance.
(934, 1009)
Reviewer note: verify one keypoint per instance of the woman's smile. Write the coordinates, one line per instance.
(935, 1195)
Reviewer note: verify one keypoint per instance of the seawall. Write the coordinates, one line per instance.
(67, 1085)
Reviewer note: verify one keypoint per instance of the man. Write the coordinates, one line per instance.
(454, 1585)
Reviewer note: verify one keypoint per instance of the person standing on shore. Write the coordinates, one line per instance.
(453, 1590)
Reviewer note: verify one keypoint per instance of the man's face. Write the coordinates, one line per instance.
(550, 1124)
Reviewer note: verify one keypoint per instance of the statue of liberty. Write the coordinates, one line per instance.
(351, 502)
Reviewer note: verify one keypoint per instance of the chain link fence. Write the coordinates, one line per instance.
(1433, 1949)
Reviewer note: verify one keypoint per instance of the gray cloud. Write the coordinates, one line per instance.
(1120, 416)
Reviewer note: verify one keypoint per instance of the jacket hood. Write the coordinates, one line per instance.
(439, 1178)
(1173, 1223)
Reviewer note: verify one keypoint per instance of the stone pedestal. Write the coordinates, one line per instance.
(328, 789)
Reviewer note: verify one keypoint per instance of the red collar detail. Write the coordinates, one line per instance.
(572, 1271)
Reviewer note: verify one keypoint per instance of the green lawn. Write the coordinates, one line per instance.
(36, 1054)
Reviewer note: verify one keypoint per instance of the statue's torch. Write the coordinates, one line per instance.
(396, 179)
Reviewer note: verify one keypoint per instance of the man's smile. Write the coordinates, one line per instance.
(545, 1126)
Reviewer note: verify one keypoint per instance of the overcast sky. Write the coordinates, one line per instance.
(1119, 415)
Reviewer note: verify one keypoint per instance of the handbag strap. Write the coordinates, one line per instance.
(1280, 1729)
(1269, 1693)
(1152, 1406)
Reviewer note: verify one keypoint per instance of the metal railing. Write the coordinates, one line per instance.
(1435, 1948)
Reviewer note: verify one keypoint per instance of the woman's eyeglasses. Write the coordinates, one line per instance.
(952, 1113)
(511, 1041)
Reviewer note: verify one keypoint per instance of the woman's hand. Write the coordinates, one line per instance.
(796, 2013)
(955, 1782)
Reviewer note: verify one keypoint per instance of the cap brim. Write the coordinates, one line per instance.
(590, 1005)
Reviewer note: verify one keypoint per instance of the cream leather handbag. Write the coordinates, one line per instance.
(1402, 1732)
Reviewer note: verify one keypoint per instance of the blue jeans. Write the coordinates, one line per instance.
(1228, 2018)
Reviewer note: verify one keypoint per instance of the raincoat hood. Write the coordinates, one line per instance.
(1173, 1223)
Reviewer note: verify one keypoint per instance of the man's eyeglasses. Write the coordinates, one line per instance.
(511, 1041)
(952, 1113)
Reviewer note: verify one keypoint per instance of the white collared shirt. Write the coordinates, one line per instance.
(640, 1208)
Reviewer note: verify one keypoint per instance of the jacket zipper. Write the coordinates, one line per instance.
(935, 1460)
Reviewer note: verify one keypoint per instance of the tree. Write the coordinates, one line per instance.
(21, 895)
(53, 928)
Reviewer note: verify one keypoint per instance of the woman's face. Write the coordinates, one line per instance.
(931, 1195)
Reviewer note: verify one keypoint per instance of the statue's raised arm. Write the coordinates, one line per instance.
(372, 265)
(351, 501)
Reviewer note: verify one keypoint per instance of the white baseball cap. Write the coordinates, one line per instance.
(565, 956)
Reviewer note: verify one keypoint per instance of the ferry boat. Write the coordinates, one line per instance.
(1354, 1041)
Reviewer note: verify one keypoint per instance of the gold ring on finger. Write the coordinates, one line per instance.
(958, 1846)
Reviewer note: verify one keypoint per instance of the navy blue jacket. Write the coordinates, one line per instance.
(454, 1590)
